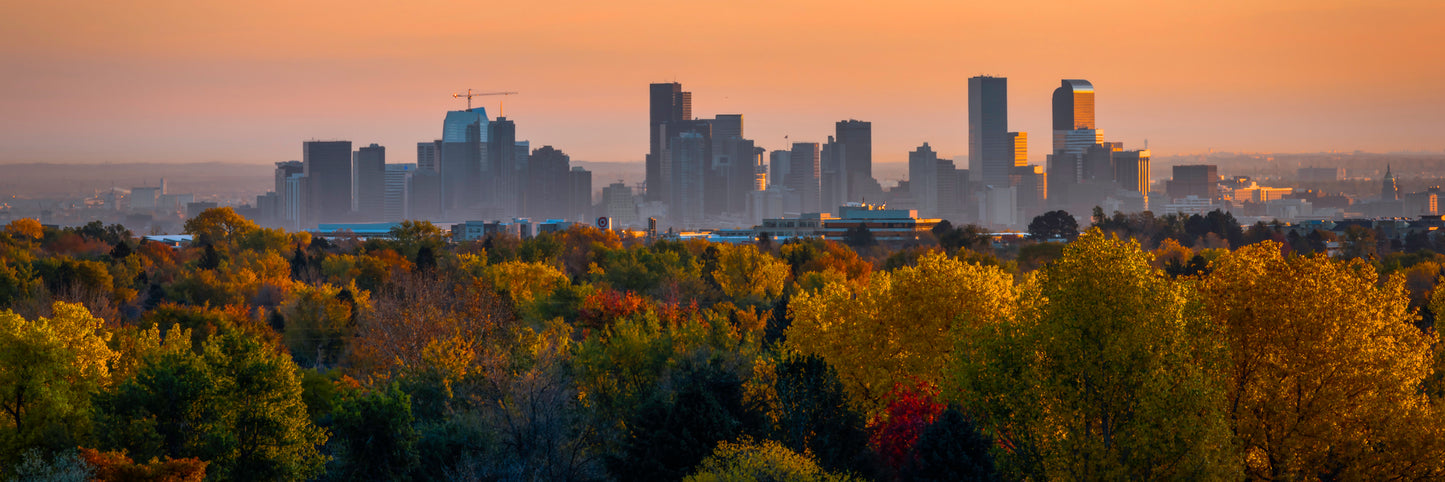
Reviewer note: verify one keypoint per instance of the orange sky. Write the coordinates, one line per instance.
(188, 80)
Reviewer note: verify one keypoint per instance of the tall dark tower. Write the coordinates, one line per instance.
(668, 105)
(1389, 190)
(856, 137)
(327, 166)
(502, 166)
(990, 148)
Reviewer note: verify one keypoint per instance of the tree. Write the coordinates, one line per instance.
(888, 331)
(896, 429)
(672, 431)
(766, 460)
(25, 227)
(49, 368)
(116, 466)
(236, 404)
(1054, 225)
(220, 225)
(1107, 372)
(749, 277)
(814, 417)
(375, 437)
(951, 449)
(1326, 368)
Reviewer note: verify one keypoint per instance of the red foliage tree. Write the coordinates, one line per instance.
(117, 467)
(893, 432)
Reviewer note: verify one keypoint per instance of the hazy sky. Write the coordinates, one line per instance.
(248, 81)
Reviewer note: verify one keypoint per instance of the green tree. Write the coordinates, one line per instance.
(761, 461)
(1109, 371)
(814, 417)
(236, 404)
(1054, 225)
(951, 449)
(375, 437)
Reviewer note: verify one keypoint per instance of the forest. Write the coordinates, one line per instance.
(1142, 348)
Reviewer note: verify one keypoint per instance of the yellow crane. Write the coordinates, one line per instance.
(471, 94)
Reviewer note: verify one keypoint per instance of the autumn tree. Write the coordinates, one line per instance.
(29, 228)
(1325, 370)
(760, 460)
(49, 369)
(1109, 371)
(220, 225)
(895, 430)
(889, 331)
(117, 467)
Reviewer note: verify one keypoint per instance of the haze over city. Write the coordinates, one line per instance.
(247, 82)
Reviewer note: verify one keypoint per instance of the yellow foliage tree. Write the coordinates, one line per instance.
(49, 367)
(1327, 367)
(895, 330)
(749, 277)
(25, 227)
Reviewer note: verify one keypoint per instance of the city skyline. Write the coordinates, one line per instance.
(209, 86)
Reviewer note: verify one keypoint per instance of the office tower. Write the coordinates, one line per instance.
(779, 163)
(579, 202)
(668, 105)
(502, 168)
(805, 176)
(990, 147)
(424, 195)
(548, 193)
(1019, 148)
(618, 204)
(690, 156)
(739, 166)
(725, 126)
(427, 154)
(298, 201)
(368, 182)
(1098, 163)
(1032, 190)
(459, 165)
(923, 179)
(1073, 110)
(1200, 180)
(1131, 170)
(952, 192)
(284, 171)
(856, 137)
(327, 167)
(834, 175)
(395, 194)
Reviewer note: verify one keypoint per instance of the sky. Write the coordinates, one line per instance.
(249, 81)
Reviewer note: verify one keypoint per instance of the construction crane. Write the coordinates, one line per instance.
(471, 94)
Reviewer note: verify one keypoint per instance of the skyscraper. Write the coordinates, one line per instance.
(856, 138)
(990, 147)
(395, 197)
(805, 175)
(327, 167)
(368, 182)
(1073, 110)
(427, 154)
(923, 179)
(502, 167)
(459, 161)
(668, 104)
(690, 155)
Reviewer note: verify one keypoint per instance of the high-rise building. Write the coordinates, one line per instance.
(427, 154)
(990, 147)
(284, 171)
(502, 168)
(618, 204)
(1073, 110)
(424, 195)
(923, 179)
(327, 166)
(805, 175)
(668, 104)
(368, 182)
(548, 194)
(394, 200)
(690, 155)
(779, 163)
(460, 159)
(1131, 170)
(1200, 180)
(856, 157)
(465, 125)
(834, 176)
(579, 202)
